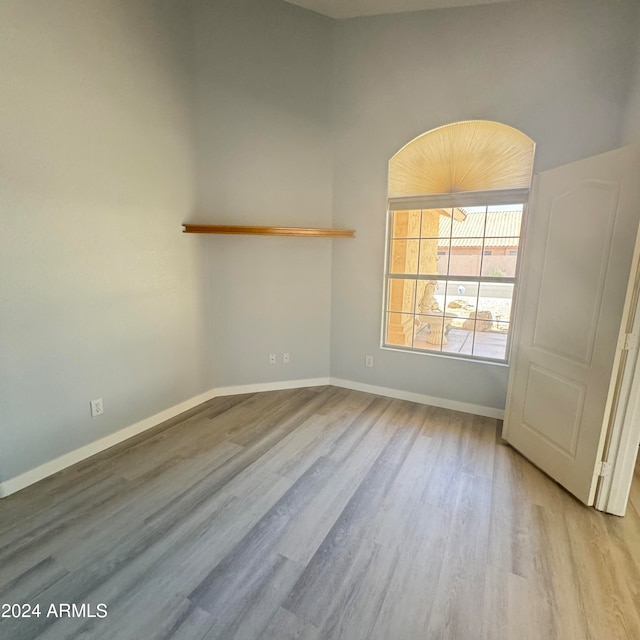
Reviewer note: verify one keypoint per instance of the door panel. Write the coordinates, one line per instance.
(578, 248)
(558, 419)
(582, 277)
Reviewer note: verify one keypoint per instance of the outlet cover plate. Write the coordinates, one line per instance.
(97, 407)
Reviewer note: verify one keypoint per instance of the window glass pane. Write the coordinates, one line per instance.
(502, 327)
(399, 329)
(466, 257)
(461, 299)
(401, 295)
(430, 321)
(503, 258)
(495, 301)
(404, 256)
(429, 331)
(472, 226)
(506, 207)
(406, 224)
(434, 256)
(430, 296)
(493, 343)
(458, 339)
(504, 221)
(436, 223)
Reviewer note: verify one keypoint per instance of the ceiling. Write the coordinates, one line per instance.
(353, 8)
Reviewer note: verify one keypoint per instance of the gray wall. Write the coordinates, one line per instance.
(556, 70)
(264, 158)
(632, 119)
(100, 293)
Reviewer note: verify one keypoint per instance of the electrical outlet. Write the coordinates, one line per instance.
(286, 358)
(272, 358)
(97, 408)
(369, 361)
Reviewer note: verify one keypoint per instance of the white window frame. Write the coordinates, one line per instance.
(448, 201)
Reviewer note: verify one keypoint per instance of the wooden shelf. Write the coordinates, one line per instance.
(269, 231)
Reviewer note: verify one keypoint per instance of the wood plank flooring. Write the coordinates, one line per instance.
(317, 514)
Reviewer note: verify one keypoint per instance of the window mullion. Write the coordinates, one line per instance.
(455, 278)
(415, 284)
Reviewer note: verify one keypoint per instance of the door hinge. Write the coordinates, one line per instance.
(605, 469)
(630, 341)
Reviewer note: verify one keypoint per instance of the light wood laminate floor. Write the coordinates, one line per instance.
(318, 514)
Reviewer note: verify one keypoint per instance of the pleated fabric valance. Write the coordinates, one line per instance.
(477, 155)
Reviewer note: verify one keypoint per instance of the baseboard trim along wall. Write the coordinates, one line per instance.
(78, 455)
(270, 386)
(420, 398)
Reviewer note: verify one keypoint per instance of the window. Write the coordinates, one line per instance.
(457, 197)
(446, 293)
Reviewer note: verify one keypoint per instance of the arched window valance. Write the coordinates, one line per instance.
(476, 155)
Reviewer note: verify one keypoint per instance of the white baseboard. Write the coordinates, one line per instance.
(58, 464)
(444, 403)
(271, 386)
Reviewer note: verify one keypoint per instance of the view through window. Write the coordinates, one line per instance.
(450, 279)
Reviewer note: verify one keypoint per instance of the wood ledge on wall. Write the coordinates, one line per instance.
(269, 231)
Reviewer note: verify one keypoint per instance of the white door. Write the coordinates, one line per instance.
(579, 245)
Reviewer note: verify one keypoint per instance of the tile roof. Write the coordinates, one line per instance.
(501, 229)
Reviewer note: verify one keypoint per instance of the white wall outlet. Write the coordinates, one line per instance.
(272, 358)
(97, 408)
(369, 361)
(286, 358)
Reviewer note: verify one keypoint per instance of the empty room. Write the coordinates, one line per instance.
(319, 319)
